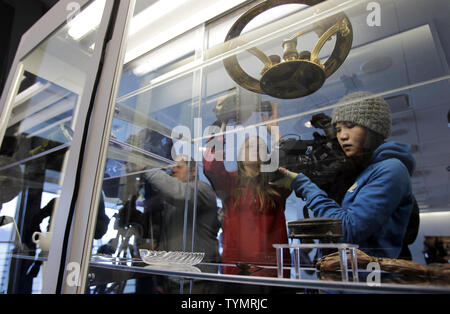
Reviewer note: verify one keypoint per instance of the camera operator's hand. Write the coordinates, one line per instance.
(287, 173)
(286, 181)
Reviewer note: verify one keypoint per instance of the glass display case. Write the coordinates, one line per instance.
(173, 173)
(42, 120)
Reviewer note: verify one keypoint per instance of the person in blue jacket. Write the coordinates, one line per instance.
(375, 210)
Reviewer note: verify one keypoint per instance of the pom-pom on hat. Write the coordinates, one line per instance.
(362, 109)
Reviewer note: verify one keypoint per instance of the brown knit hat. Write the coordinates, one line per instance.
(362, 109)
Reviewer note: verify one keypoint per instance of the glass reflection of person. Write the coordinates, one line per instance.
(172, 190)
(375, 210)
(253, 210)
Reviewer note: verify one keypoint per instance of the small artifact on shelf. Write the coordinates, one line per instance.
(331, 262)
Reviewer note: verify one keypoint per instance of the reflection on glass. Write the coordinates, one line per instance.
(149, 190)
(253, 209)
(41, 118)
(38, 135)
(156, 199)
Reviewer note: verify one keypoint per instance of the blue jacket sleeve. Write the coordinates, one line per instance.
(371, 206)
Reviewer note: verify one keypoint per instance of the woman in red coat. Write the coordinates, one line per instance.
(254, 217)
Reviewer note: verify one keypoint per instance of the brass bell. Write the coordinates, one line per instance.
(297, 74)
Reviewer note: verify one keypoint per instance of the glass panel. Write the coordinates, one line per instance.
(383, 60)
(38, 136)
(272, 89)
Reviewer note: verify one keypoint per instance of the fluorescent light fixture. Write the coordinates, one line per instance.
(273, 14)
(431, 214)
(177, 72)
(87, 20)
(165, 55)
(182, 22)
(155, 62)
(154, 12)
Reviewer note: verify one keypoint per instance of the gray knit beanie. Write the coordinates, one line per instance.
(364, 110)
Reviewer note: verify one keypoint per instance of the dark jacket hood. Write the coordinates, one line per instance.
(397, 150)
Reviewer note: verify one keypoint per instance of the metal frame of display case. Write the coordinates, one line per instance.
(54, 18)
(95, 150)
(70, 254)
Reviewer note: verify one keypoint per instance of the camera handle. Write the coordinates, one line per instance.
(305, 212)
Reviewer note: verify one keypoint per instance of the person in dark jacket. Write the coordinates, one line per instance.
(375, 210)
(192, 228)
(172, 189)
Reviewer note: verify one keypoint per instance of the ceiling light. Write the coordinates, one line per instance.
(152, 13)
(162, 57)
(181, 24)
(87, 20)
(273, 14)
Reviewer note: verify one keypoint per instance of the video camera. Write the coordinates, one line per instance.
(320, 159)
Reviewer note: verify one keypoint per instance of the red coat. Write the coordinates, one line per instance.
(248, 230)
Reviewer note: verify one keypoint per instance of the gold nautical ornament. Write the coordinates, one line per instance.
(298, 74)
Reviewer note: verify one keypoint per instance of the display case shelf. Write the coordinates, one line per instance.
(129, 153)
(337, 284)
